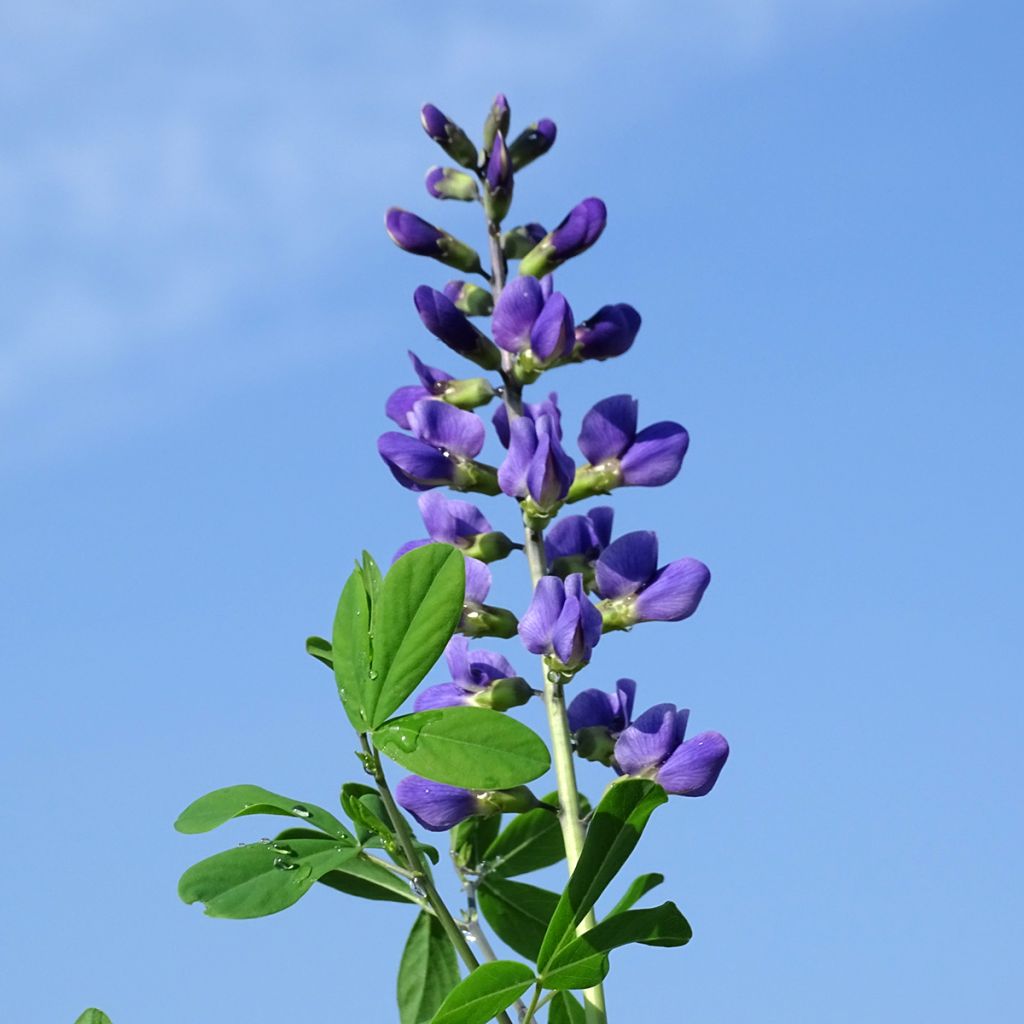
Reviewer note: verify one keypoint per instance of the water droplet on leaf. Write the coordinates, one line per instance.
(301, 812)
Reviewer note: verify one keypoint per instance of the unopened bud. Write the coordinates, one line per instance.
(497, 121)
(448, 183)
(520, 240)
(578, 231)
(471, 299)
(498, 195)
(532, 142)
(449, 136)
(503, 694)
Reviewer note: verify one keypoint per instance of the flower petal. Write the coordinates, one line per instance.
(674, 593)
(518, 306)
(656, 455)
(434, 805)
(694, 767)
(537, 625)
(608, 428)
(590, 708)
(627, 564)
(648, 741)
(478, 581)
(445, 427)
(512, 473)
(409, 545)
(602, 517)
(401, 401)
(625, 694)
(444, 695)
(414, 463)
(551, 471)
(430, 377)
(553, 331)
(486, 666)
(449, 521)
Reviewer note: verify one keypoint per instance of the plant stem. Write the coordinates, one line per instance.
(422, 875)
(527, 1016)
(554, 697)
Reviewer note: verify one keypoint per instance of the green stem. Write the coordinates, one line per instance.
(532, 1008)
(415, 859)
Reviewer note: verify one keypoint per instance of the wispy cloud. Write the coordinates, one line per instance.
(161, 171)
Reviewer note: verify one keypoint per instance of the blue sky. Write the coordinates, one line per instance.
(816, 206)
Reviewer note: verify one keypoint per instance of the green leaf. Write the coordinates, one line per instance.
(638, 888)
(261, 878)
(419, 607)
(566, 1009)
(583, 961)
(320, 649)
(614, 831)
(359, 876)
(93, 1016)
(427, 973)
(518, 913)
(485, 993)
(529, 842)
(363, 804)
(350, 650)
(462, 746)
(471, 838)
(222, 805)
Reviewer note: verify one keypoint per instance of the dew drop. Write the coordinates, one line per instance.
(445, 453)
(300, 812)
(284, 865)
(283, 849)
(265, 841)
(417, 889)
(553, 677)
(373, 673)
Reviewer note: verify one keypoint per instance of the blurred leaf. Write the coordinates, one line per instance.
(463, 746)
(638, 888)
(583, 962)
(518, 913)
(320, 649)
(419, 607)
(566, 1009)
(613, 833)
(261, 878)
(529, 842)
(363, 804)
(222, 805)
(485, 993)
(427, 972)
(93, 1016)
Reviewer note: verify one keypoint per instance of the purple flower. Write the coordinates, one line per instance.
(654, 747)
(446, 322)
(497, 120)
(532, 142)
(531, 410)
(609, 332)
(552, 335)
(499, 169)
(448, 135)
(475, 675)
(516, 312)
(621, 456)
(436, 806)
(591, 709)
(577, 232)
(432, 385)
(442, 450)
(536, 466)
(634, 589)
(579, 539)
(561, 621)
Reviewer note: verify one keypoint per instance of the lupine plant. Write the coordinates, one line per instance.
(470, 759)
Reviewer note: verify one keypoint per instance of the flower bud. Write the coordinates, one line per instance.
(449, 136)
(504, 694)
(487, 620)
(450, 325)
(498, 196)
(517, 242)
(415, 235)
(471, 299)
(448, 183)
(497, 121)
(490, 547)
(609, 332)
(580, 229)
(532, 142)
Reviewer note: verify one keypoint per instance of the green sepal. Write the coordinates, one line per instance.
(473, 300)
(488, 620)
(490, 547)
(591, 481)
(453, 184)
